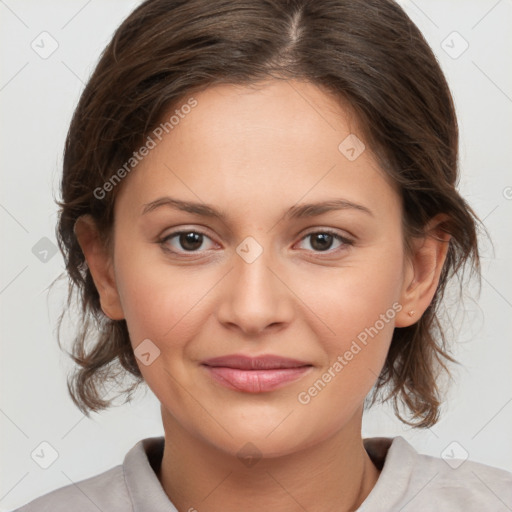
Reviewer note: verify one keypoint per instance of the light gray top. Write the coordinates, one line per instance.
(408, 482)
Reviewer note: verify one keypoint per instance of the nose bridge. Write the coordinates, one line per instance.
(256, 297)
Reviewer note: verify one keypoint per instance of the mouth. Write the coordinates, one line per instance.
(255, 374)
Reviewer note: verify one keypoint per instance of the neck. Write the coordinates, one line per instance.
(334, 475)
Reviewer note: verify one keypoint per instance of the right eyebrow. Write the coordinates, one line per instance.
(191, 207)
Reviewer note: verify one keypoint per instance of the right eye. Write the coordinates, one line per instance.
(187, 241)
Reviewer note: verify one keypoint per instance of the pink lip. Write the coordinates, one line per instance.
(255, 374)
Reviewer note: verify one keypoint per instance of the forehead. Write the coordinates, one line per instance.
(295, 114)
(248, 145)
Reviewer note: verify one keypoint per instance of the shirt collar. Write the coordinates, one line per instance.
(144, 488)
(394, 456)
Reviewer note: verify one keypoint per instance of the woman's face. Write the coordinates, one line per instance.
(264, 275)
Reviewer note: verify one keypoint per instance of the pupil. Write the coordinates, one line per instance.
(191, 241)
(325, 241)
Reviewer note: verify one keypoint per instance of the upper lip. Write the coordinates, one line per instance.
(264, 362)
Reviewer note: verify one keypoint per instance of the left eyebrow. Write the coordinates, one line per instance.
(304, 210)
(313, 209)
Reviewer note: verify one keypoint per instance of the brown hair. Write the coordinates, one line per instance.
(365, 52)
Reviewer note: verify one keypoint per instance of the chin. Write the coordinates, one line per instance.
(275, 436)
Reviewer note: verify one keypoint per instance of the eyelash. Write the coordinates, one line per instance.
(347, 242)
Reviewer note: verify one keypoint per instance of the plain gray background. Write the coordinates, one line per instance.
(38, 92)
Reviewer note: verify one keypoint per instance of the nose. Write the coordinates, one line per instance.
(255, 297)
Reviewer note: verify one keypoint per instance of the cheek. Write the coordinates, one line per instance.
(164, 306)
(159, 302)
(353, 298)
(355, 357)
(358, 304)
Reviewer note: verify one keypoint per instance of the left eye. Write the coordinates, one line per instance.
(321, 241)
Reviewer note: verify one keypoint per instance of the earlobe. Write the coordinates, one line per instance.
(100, 265)
(423, 271)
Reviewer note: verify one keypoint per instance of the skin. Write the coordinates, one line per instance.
(253, 153)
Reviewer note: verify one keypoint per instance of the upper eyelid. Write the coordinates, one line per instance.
(180, 231)
(335, 231)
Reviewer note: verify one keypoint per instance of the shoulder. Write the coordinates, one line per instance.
(464, 484)
(412, 481)
(123, 488)
(106, 491)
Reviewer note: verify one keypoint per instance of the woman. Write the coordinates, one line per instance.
(260, 215)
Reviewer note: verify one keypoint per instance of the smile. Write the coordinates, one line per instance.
(255, 375)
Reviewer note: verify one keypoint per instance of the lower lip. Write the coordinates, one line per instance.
(255, 381)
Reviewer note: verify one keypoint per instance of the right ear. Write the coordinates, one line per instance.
(100, 265)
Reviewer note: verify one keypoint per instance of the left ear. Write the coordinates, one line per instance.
(422, 271)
